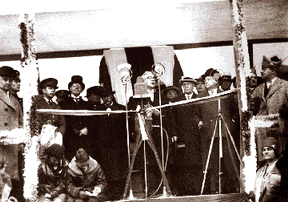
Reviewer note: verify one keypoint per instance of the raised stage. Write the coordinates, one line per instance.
(236, 197)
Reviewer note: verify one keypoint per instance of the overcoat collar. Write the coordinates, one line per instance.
(6, 99)
(276, 85)
(75, 171)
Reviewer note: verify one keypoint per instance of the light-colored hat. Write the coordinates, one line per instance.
(187, 79)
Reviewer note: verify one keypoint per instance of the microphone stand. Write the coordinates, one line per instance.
(130, 197)
(164, 194)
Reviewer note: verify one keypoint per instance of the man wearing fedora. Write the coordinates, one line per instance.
(44, 100)
(76, 126)
(188, 142)
(273, 93)
(112, 141)
(11, 117)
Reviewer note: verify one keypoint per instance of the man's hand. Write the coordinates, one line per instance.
(200, 124)
(84, 194)
(84, 131)
(47, 195)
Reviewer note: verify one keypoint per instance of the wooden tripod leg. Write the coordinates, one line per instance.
(208, 158)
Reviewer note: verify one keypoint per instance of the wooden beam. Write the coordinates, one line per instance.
(30, 81)
(242, 65)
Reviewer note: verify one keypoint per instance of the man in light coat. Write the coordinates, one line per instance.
(11, 117)
(273, 93)
(269, 96)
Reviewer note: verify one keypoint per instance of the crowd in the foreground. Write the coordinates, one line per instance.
(78, 145)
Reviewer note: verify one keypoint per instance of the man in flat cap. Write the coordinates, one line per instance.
(44, 100)
(77, 126)
(11, 117)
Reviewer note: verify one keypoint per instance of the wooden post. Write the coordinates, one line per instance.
(30, 79)
(242, 66)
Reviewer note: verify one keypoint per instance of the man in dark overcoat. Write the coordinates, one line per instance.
(152, 123)
(188, 142)
(112, 141)
(94, 103)
(76, 135)
(209, 111)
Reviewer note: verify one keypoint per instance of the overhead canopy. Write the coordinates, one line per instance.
(140, 24)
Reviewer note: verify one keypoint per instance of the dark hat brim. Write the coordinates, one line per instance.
(171, 88)
(107, 93)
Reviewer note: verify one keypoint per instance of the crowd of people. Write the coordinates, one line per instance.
(86, 158)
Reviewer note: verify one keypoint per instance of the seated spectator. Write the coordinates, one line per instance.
(84, 179)
(267, 183)
(51, 185)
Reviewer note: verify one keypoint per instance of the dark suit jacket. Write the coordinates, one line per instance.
(112, 141)
(42, 118)
(74, 123)
(188, 119)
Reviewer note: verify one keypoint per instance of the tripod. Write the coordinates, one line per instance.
(146, 138)
(218, 123)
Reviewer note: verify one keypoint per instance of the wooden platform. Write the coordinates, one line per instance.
(235, 197)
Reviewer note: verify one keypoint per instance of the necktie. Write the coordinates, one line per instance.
(50, 102)
(266, 91)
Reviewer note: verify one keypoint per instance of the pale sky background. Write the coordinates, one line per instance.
(269, 50)
(37, 6)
